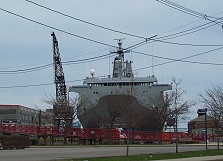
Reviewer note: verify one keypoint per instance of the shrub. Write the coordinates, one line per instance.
(11, 142)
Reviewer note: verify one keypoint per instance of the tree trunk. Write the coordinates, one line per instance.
(65, 140)
(158, 135)
(177, 136)
(127, 150)
(218, 139)
(111, 134)
(65, 134)
(52, 140)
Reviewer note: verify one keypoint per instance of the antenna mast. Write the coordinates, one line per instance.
(121, 68)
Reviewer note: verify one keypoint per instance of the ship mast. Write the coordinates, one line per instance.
(121, 68)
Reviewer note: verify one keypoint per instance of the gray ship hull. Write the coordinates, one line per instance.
(120, 111)
(121, 99)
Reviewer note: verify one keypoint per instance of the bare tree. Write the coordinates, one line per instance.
(72, 103)
(119, 110)
(106, 113)
(112, 116)
(159, 106)
(170, 105)
(212, 99)
(50, 100)
(179, 108)
(133, 115)
(133, 112)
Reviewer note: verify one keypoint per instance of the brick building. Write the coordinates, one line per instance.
(23, 115)
(197, 125)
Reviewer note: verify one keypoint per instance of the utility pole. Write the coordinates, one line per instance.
(176, 118)
(206, 133)
(40, 117)
(204, 112)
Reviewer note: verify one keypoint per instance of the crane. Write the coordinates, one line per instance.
(61, 109)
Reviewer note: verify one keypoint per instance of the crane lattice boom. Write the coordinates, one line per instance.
(61, 108)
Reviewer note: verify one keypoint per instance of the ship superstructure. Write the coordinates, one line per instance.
(97, 95)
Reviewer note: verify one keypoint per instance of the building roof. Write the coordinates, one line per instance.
(201, 119)
(17, 105)
(10, 105)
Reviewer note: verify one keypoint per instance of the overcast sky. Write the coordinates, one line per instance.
(25, 44)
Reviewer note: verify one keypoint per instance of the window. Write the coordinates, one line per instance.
(8, 111)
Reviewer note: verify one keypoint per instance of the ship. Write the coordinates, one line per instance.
(120, 100)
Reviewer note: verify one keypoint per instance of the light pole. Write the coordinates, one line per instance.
(177, 136)
(204, 111)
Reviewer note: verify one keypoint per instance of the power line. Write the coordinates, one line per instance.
(26, 86)
(187, 44)
(143, 43)
(100, 57)
(182, 9)
(188, 24)
(27, 70)
(37, 85)
(54, 28)
(86, 22)
(133, 35)
(188, 11)
(188, 31)
(181, 59)
(48, 65)
(71, 62)
(178, 34)
(168, 62)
